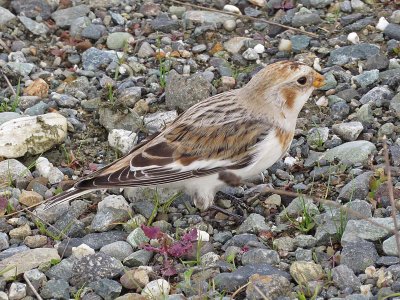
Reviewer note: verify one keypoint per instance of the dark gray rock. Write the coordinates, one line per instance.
(379, 61)
(119, 250)
(93, 59)
(108, 218)
(344, 277)
(108, 289)
(164, 23)
(66, 17)
(138, 258)
(357, 188)
(11, 251)
(377, 94)
(95, 267)
(62, 270)
(299, 42)
(34, 8)
(360, 24)
(343, 55)
(55, 289)
(392, 31)
(230, 282)
(260, 256)
(93, 31)
(358, 255)
(241, 240)
(306, 19)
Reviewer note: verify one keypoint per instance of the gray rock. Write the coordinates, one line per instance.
(362, 207)
(55, 289)
(65, 17)
(137, 238)
(366, 230)
(305, 272)
(377, 94)
(11, 251)
(260, 256)
(307, 19)
(20, 68)
(138, 258)
(320, 3)
(119, 119)
(365, 114)
(184, 91)
(366, 78)
(33, 26)
(345, 6)
(129, 96)
(117, 18)
(340, 110)
(3, 241)
(62, 270)
(350, 152)
(357, 188)
(348, 131)
(285, 243)
(8, 115)
(235, 44)
(297, 206)
(17, 291)
(119, 250)
(386, 129)
(389, 74)
(305, 241)
(392, 31)
(241, 240)
(250, 54)
(395, 17)
(5, 16)
(360, 24)
(344, 277)
(230, 282)
(145, 50)
(106, 288)
(78, 26)
(157, 121)
(271, 286)
(389, 246)
(343, 55)
(300, 42)
(93, 59)
(394, 104)
(95, 267)
(165, 24)
(34, 8)
(37, 279)
(117, 40)
(317, 136)
(303, 254)
(93, 31)
(358, 255)
(254, 223)
(37, 109)
(108, 218)
(379, 62)
(205, 17)
(12, 169)
(64, 100)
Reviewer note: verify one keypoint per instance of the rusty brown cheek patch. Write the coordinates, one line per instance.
(289, 96)
(284, 138)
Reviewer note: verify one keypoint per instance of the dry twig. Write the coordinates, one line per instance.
(9, 83)
(32, 287)
(245, 17)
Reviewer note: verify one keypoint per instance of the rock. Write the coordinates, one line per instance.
(205, 17)
(95, 267)
(7, 116)
(284, 243)
(377, 62)
(358, 255)
(119, 250)
(38, 88)
(138, 258)
(47, 170)
(250, 54)
(235, 44)
(157, 121)
(65, 17)
(260, 3)
(350, 152)
(230, 282)
(377, 94)
(386, 129)
(164, 24)
(364, 114)
(344, 277)
(317, 136)
(392, 31)
(241, 240)
(145, 50)
(20, 232)
(254, 223)
(37, 279)
(260, 256)
(118, 40)
(122, 140)
(366, 78)
(118, 119)
(395, 17)
(34, 8)
(357, 5)
(395, 103)
(11, 169)
(29, 198)
(93, 31)
(357, 188)
(5, 16)
(134, 279)
(33, 26)
(27, 260)
(304, 271)
(20, 68)
(343, 55)
(106, 288)
(271, 287)
(17, 291)
(340, 110)
(305, 19)
(3, 241)
(159, 288)
(35, 241)
(32, 135)
(55, 289)
(296, 207)
(320, 3)
(299, 42)
(348, 131)
(93, 58)
(136, 238)
(81, 251)
(114, 201)
(108, 218)
(184, 91)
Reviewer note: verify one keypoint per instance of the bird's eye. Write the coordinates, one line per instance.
(302, 80)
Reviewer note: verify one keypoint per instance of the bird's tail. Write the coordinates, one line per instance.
(68, 195)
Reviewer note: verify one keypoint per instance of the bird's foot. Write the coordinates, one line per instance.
(238, 218)
(236, 202)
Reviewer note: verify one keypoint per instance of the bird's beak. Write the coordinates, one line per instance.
(319, 80)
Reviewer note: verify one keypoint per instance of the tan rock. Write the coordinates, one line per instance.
(39, 88)
(20, 232)
(306, 271)
(29, 198)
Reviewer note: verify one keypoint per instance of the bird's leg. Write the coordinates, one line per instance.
(237, 202)
(227, 212)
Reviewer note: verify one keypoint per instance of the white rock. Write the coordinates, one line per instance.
(114, 201)
(3, 296)
(43, 166)
(235, 44)
(33, 135)
(122, 140)
(357, 5)
(157, 121)
(290, 161)
(203, 236)
(316, 64)
(260, 3)
(250, 54)
(157, 289)
(322, 101)
(17, 291)
(353, 38)
(259, 48)
(348, 131)
(395, 17)
(209, 259)
(232, 8)
(382, 24)
(81, 251)
(285, 45)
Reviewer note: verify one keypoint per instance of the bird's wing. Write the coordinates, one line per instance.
(206, 139)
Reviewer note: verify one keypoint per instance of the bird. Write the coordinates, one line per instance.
(241, 132)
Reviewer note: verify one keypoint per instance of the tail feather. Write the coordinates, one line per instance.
(68, 195)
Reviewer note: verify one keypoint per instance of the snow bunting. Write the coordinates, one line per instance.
(242, 131)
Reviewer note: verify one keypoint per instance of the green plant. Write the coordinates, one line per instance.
(78, 293)
(121, 59)
(163, 65)
(110, 93)
(305, 222)
(376, 181)
(54, 261)
(6, 106)
(57, 237)
(167, 204)
(230, 259)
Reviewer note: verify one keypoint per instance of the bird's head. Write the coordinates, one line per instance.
(283, 88)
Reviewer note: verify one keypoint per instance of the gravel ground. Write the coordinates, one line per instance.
(83, 81)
